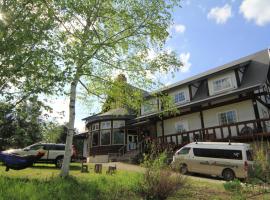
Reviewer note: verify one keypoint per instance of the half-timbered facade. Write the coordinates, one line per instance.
(230, 102)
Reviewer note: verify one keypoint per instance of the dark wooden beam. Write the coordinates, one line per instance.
(237, 77)
(256, 112)
(190, 92)
(202, 120)
(162, 129)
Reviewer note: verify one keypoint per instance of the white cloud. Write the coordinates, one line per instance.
(179, 28)
(257, 10)
(184, 58)
(220, 14)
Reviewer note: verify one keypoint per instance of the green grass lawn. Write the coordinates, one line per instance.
(43, 182)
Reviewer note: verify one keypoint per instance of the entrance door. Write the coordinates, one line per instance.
(132, 141)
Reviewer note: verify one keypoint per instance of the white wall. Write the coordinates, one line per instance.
(153, 103)
(182, 89)
(192, 120)
(244, 111)
(230, 74)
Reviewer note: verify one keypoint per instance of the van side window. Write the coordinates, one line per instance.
(184, 151)
(60, 147)
(249, 155)
(218, 153)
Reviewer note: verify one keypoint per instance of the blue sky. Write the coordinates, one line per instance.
(216, 32)
(207, 34)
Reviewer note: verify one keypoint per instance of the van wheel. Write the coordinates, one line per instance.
(59, 162)
(183, 169)
(228, 175)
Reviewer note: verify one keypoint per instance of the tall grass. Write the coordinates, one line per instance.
(104, 187)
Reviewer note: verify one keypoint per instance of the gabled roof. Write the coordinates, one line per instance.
(256, 74)
(259, 60)
(117, 113)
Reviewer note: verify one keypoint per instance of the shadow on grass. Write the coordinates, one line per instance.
(52, 167)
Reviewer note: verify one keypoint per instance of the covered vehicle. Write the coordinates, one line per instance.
(53, 153)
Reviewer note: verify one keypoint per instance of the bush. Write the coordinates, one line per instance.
(233, 186)
(260, 171)
(159, 181)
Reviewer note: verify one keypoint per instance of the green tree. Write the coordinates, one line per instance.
(21, 126)
(53, 132)
(84, 42)
(28, 52)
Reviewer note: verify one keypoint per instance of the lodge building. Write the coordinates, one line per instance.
(230, 102)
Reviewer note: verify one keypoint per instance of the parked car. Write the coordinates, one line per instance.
(54, 153)
(228, 160)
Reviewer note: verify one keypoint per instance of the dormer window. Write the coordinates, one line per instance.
(222, 84)
(180, 97)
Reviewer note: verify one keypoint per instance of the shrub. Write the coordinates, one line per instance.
(159, 181)
(176, 165)
(261, 166)
(233, 186)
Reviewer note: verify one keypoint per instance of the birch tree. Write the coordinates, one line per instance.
(100, 38)
(84, 43)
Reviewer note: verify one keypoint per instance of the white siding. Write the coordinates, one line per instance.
(230, 74)
(193, 122)
(152, 103)
(244, 111)
(182, 89)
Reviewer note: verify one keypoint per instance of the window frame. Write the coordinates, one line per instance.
(233, 110)
(184, 94)
(105, 122)
(95, 127)
(119, 121)
(100, 138)
(223, 89)
(184, 123)
(115, 129)
(216, 153)
(185, 148)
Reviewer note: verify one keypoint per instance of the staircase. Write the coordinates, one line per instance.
(125, 156)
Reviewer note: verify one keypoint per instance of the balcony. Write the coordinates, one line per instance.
(241, 131)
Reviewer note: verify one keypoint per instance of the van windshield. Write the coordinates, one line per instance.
(184, 151)
(249, 155)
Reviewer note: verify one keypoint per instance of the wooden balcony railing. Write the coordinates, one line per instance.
(239, 130)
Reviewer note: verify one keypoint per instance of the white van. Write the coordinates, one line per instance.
(228, 160)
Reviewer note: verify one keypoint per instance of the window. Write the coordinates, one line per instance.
(36, 147)
(106, 125)
(180, 97)
(95, 138)
(59, 147)
(181, 126)
(218, 153)
(118, 136)
(105, 137)
(118, 123)
(222, 84)
(227, 117)
(150, 105)
(95, 126)
(184, 151)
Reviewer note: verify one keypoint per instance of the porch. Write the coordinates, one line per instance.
(243, 131)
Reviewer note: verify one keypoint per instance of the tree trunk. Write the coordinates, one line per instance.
(70, 132)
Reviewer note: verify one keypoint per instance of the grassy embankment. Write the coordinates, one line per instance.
(42, 182)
